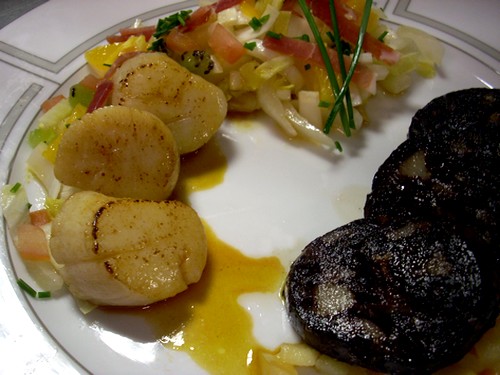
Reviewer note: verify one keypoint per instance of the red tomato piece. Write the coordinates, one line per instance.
(31, 242)
(40, 217)
(180, 42)
(49, 103)
(199, 17)
(225, 45)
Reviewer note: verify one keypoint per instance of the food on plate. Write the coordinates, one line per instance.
(447, 168)
(416, 282)
(127, 252)
(409, 297)
(269, 56)
(121, 152)
(190, 106)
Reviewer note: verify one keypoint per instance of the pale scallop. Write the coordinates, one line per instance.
(125, 252)
(121, 152)
(192, 107)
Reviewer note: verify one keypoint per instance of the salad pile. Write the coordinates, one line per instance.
(308, 64)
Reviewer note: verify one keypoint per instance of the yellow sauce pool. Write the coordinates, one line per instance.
(206, 321)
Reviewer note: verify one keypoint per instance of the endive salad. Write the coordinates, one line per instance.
(291, 59)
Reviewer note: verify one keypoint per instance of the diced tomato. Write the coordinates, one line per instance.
(101, 96)
(40, 217)
(224, 44)
(199, 17)
(90, 81)
(180, 42)
(31, 242)
(225, 4)
(49, 103)
(349, 29)
(147, 31)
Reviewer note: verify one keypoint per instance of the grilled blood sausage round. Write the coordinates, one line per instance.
(412, 286)
(447, 168)
(404, 298)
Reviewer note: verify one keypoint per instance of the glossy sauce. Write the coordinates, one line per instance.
(206, 321)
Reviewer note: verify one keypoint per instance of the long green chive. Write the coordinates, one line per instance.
(328, 64)
(338, 44)
(357, 52)
(340, 93)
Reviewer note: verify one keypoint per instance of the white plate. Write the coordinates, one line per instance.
(276, 197)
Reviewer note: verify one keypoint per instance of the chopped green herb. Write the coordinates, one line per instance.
(28, 289)
(338, 146)
(165, 25)
(256, 23)
(108, 65)
(304, 37)
(274, 35)
(32, 292)
(14, 189)
(324, 104)
(44, 294)
(250, 45)
(382, 36)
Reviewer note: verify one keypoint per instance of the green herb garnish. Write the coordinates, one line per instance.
(250, 45)
(14, 189)
(167, 24)
(256, 23)
(344, 92)
(340, 92)
(382, 36)
(32, 292)
(274, 35)
(304, 37)
(324, 104)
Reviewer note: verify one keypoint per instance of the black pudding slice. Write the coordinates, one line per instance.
(447, 169)
(406, 298)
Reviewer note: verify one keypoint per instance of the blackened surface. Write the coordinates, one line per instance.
(420, 296)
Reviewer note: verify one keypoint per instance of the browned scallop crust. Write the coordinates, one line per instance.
(405, 298)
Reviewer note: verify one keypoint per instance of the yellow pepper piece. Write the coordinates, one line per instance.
(51, 152)
(101, 58)
(248, 8)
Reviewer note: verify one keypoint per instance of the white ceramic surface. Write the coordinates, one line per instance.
(276, 197)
